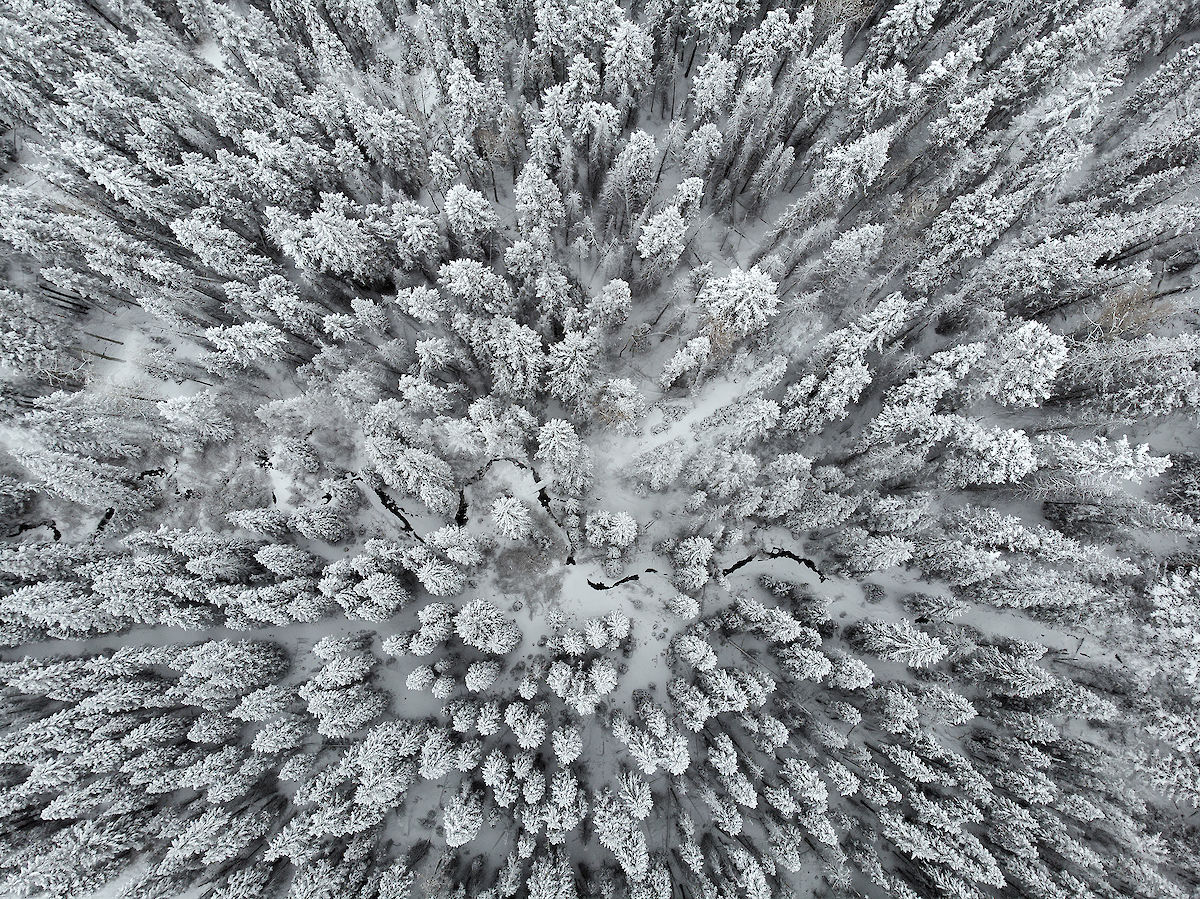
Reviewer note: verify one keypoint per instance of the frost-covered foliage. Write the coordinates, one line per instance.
(579, 449)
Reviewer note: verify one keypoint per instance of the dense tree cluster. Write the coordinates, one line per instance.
(562, 448)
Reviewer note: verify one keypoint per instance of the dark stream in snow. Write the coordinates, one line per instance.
(33, 526)
(390, 505)
(624, 580)
(741, 563)
(775, 554)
